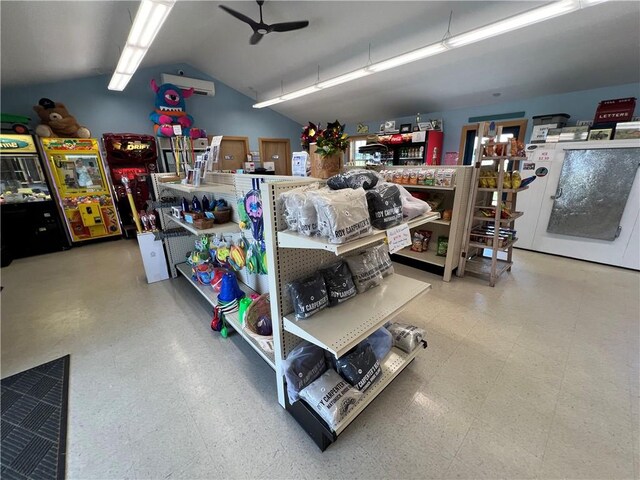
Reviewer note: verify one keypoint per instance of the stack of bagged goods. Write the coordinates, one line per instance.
(340, 281)
(308, 295)
(343, 215)
(385, 206)
(360, 178)
(348, 207)
(304, 363)
(331, 397)
(299, 211)
(406, 337)
(332, 393)
(438, 177)
(365, 270)
(360, 367)
(420, 240)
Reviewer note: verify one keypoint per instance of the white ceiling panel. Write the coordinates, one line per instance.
(599, 46)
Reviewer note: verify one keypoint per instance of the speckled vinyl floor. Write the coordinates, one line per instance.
(536, 378)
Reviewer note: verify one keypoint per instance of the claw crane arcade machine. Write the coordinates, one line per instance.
(83, 188)
(31, 223)
(132, 156)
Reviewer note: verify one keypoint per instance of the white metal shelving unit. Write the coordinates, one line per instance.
(341, 328)
(289, 239)
(180, 243)
(336, 329)
(456, 198)
(229, 227)
(232, 318)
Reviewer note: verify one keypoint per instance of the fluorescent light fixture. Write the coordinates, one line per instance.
(409, 57)
(540, 14)
(149, 18)
(347, 77)
(119, 81)
(268, 103)
(300, 93)
(514, 23)
(130, 59)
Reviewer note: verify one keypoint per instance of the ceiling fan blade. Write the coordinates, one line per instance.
(255, 38)
(288, 26)
(240, 16)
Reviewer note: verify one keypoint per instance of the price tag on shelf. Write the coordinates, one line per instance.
(398, 238)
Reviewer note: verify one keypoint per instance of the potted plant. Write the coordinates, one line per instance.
(331, 142)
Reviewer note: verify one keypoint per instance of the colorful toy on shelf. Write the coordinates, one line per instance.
(256, 256)
(170, 116)
(56, 121)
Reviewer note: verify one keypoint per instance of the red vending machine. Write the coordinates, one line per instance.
(132, 156)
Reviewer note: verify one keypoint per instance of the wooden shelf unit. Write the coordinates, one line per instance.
(472, 258)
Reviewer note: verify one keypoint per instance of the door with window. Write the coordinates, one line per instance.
(278, 151)
(469, 138)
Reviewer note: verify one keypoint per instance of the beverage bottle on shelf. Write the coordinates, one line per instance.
(421, 152)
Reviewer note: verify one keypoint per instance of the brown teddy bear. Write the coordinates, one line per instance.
(57, 121)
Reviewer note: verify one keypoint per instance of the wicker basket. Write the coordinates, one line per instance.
(223, 215)
(202, 223)
(259, 307)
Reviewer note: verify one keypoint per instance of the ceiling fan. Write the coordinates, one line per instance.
(260, 29)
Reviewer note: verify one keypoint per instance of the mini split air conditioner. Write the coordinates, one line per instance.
(201, 87)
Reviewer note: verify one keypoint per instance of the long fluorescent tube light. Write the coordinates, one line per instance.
(149, 18)
(119, 81)
(347, 77)
(268, 103)
(514, 23)
(300, 93)
(408, 57)
(546, 12)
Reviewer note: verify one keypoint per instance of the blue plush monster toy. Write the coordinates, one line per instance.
(170, 111)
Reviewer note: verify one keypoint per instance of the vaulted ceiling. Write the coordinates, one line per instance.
(594, 47)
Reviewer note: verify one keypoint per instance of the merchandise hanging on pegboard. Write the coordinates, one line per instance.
(257, 256)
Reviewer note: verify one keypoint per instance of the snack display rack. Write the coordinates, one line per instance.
(492, 199)
(337, 329)
(456, 198)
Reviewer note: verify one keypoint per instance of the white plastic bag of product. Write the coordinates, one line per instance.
(343, 215)
(381, 255)
(412, 206)
(365, 270)
(331, 397)
(302, 366)
(299, 212)
(406, 337)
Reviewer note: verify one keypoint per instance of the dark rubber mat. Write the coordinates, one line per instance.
(34, 422)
